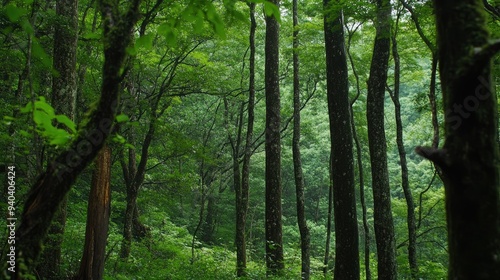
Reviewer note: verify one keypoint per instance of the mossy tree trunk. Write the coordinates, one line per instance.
(469, 159)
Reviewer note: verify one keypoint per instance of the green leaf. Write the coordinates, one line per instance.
(27, 109)
(67, 122)
(131, 50)
(145, 42)
(14, 13)
(271, 9)
(119, 139)
(122, 118)
(39, 53)
(41, 104)
(60, 140)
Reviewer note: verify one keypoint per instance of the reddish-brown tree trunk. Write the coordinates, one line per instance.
(98, 210)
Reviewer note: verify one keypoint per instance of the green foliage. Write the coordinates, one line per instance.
(47, 123)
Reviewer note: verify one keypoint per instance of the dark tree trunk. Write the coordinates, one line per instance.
(469, 158)
(383, 222)
(64, 88)
(51, 186)
(433, 102)
(208, 227)
(329, 217)
(273, 224)
(410, 205)
(342, 163)
(98, 211)
(359, 161)
(242, 194)
(366, 227)
(297, 163)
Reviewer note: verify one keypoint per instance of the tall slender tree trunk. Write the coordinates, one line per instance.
(366, 227)
(469, 159)
(342, 163)
(383, 221)
(273, 223)
(243, 192)
(64, 89)
(410, 205)
(359, 162)
(98, 211)
(297, 163)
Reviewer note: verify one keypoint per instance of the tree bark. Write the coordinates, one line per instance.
(297, 162)
(383, 221)
(242, 194)
(51, 186)
(469, 158)
(98, 211)
(64, 89)
(405, 183)
(342, 162)
(329, 217)
(359, 162)
(273, 224)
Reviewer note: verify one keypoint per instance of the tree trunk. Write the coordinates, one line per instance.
(383, 222)
(342, 162)
(51, 187)
(273, 224)
(329, 217)
(297, 163)
(410, 205)
(208, 227)
(64, 89)
(98, 211)
(469, 158)
(129, 222)
(366, 227)
(359, 161)
(242, 194)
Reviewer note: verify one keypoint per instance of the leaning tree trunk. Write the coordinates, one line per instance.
(297, 162)
(469, 159)
(64, 88)
(273, 224)
(342, 162)
(51, 187)
(382, 214)
(98, 211)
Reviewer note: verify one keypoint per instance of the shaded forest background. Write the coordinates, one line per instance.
(181, 181)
